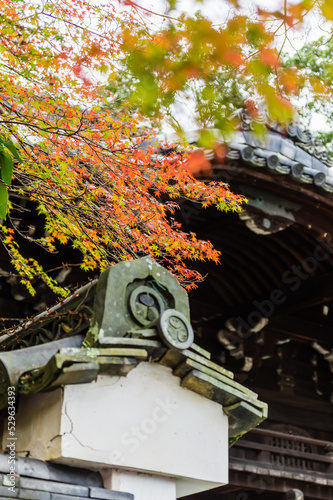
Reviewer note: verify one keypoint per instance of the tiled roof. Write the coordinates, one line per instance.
(124, 338)
(284, 150)
(295, 154)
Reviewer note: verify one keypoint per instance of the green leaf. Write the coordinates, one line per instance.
(6, 167)
(3, 201)
(207, 138)
(12, 148)
(327, 9)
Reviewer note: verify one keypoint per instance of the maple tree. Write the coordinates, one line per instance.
(314, 60)
(76, 146)
(77, 155)
(222, 65)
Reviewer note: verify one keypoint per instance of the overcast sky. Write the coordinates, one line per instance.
(218, 11)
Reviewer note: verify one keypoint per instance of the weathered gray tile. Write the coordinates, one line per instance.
(101, 494)
(57, 496)
(38, 469)
(53, 487)
(78, 373)
(129, 342)
(172, 358)
(201, 351)
(34, 495)
(6, 493)
(208, 363)
(4, 464)
(189, 365)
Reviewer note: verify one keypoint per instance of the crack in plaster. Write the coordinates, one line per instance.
(71, 432)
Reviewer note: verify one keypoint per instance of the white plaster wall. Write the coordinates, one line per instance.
(146, 421)
(142, 422)
(38, 423)
(143, 486)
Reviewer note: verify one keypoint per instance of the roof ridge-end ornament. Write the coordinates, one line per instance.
(140, 314)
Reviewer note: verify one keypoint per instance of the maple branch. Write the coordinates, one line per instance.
(137, 6)
(66, 21)
(51, 130)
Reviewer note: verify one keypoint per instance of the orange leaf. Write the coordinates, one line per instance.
(198, 164)
(270, 57)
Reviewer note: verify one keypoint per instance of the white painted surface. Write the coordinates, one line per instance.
(38, 422)
(142, 486)
(143, 422)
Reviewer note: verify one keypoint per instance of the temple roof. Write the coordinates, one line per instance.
(258, 142)
(287, 150)
(279, 247)
(136, 312)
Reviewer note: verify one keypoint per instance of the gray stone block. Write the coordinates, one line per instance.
(34, 495)
(101, 494)
(6, 493)
(56, 496)
(4, 464)
(53, 487)
(61, 473)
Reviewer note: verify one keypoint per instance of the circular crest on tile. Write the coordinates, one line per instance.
(175, 329)
(146, 305)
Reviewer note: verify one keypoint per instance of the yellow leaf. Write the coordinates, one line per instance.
(327, 9)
